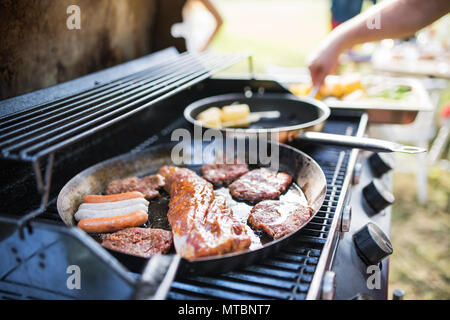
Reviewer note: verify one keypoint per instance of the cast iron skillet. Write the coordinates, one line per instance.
(306, 173)
(300, 119)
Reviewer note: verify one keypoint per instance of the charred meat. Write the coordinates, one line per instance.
(223, 174)
(260, 184)
(278, 218)
(143, 242)
(147, 185)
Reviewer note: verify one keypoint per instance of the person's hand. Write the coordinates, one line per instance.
(219, 22)
(323, 61)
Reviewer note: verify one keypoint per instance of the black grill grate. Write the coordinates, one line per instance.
(41, 130)
(287, 274)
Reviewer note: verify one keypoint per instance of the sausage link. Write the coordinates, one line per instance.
(112, 197)
(113, 224)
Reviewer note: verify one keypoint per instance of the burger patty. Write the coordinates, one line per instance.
(143, 242)
(260, 184)
(223, 174)
(148, 185)
(278, 218)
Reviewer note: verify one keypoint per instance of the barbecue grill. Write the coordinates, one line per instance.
(48, 136)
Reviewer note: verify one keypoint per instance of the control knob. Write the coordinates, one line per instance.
(376, 197)
(380, 163)
(372, 244)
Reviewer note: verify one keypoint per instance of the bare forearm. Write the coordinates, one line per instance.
(218, 18)
(212, 9)
(389, 19)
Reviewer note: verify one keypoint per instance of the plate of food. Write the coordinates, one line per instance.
(386, 99)
(374, 92)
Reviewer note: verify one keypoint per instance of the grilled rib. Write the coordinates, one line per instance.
(201, 223)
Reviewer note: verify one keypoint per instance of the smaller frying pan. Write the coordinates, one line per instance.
(299, 119)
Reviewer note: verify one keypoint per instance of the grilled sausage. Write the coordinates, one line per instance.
(113, 224)
(112, 197)
(105, 211)
(113, 205)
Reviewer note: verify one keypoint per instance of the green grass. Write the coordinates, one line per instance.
(420, 236)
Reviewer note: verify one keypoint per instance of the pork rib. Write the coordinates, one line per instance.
(201, 223)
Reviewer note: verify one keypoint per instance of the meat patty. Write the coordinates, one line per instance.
(223, 174)
(201, 223)
(147, 185)
(278, 218)
(143, 242)
(260, 184)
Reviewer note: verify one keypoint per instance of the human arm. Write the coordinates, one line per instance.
(397, 19)
(218, 18)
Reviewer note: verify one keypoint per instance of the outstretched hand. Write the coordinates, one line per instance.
(323, 61)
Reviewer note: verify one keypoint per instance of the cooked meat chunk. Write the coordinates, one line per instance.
(201, 223)
(223, 174)
(148, 185)
(143, 242)
(260, 184)
(278, 218)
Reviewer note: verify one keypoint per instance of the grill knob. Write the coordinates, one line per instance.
(328, 285)
(377, 197)
(380, 163)
(372, 245)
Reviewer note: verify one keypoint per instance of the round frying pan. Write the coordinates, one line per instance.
(305, 171)
(299, 119)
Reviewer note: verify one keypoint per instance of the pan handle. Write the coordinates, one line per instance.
(376, 145)
(157, 277)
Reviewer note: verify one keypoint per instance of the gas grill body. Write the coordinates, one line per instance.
(41, 255)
